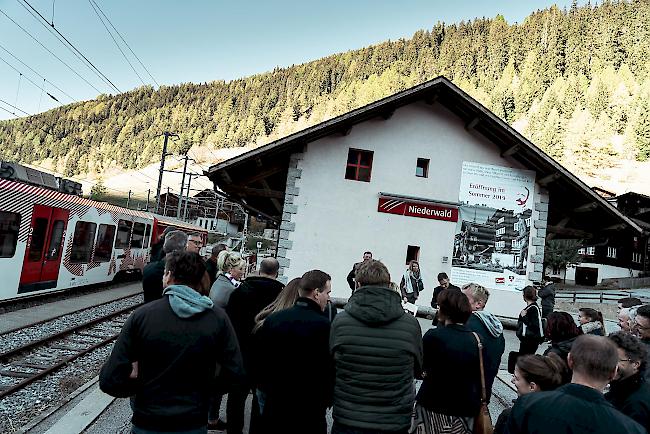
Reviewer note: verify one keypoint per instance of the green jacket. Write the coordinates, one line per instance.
(377, 350)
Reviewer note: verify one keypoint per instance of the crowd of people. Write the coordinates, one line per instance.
(205, 331)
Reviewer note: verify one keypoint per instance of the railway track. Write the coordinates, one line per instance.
(29, 362)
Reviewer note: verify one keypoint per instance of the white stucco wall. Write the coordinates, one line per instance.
(337, 219)
(604, 271)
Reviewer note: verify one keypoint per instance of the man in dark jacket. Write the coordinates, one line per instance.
(579, 407)
(167, 353)
(377, 350)
(547, 294)
(642, 328)
(351, 275)
(293, 368)
(152, 274)
(253, 295)
(443, 281)
(489, 329)
(628, 391)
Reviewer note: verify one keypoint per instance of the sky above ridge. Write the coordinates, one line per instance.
(199, 41)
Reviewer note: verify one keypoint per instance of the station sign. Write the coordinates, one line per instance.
(417, 209)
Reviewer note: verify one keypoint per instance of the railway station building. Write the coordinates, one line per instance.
(427, 174)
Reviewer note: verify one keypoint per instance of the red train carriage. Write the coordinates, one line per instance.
(51, 241)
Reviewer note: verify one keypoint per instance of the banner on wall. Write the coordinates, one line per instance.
(493, 229)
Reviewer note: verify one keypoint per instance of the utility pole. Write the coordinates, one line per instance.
(166, 196)
(167, 134)
(180, 196)
(148, 193)
(128, 199)
(187, 196)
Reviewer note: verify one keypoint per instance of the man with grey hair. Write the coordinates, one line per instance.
(152, 275)
(578, 407)
(488, 328)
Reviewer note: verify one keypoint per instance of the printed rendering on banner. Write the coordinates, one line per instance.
(493, 231)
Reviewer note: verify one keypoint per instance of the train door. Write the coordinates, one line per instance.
(44, 249)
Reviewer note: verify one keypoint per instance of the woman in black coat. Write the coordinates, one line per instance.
(452, 382)
(529, 324)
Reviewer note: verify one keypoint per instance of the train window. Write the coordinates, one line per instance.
(104, 244)
(38, 239)
(138, 235)
(9, 227)
(56, 239)
(82, 242)
(123, 234)
(147, 233)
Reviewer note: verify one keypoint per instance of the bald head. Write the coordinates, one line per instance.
(593, 357)
(269, 267)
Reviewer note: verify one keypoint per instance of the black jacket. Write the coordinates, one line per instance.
(561, 348)
(571, 409)
(452, 384)
(211, 268)
(631, 397)
(253, 295)
(157, 252)
(436, 291)
(152, 276)
(547, 294)
(294, 369)
(177, 362)
(352, 275)
(494, 344)
(377, 350)
(529, 326)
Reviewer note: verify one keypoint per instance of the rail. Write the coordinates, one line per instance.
(56, 351)
(600, 296)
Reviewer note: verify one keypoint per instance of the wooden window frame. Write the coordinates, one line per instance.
(358, 164)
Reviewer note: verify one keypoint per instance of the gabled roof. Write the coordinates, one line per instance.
(258, 178)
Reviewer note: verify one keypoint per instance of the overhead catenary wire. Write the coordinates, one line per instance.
(92, 4)
(35, 72)
(30, 80)
(50, 51)
(125, 43)
(66, 42)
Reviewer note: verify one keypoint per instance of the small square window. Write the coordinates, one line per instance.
(359, 165)
(422, 169)
(412, 253)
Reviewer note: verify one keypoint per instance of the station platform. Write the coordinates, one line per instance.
(24, 317)
(90, 411)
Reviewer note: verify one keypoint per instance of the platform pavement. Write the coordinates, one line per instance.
(24, 317)
(117, 414)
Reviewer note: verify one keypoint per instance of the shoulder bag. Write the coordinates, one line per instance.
(482, 421)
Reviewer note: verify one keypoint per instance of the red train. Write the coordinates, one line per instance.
(52, 241)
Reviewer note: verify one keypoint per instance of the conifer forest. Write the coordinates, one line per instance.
(576, 82)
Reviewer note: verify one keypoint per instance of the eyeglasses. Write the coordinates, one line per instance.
(624, 360)
(197, 243)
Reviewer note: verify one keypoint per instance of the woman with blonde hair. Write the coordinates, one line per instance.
(231, 269)
(285, 299)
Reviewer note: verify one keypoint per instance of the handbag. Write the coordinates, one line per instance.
(512, 361)
(482, 421)
(425, 421)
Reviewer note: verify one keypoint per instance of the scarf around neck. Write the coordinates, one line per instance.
(185, 301)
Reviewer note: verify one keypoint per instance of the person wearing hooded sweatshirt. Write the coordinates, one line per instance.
(167, 354)
(489, 329)
(377, 351)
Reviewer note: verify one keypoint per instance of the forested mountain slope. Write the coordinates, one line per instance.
(576, 82)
